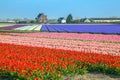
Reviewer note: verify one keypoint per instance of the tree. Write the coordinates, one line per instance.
(32, 21)
(69, 19)
(17, 20)
(77, 21)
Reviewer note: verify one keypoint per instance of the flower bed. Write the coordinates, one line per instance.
(11, 27)
(98, 37)
(45, 63)
(87, 46)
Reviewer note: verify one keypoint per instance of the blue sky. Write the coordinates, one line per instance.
(59, 8)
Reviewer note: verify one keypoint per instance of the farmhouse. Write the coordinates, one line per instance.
(41, 18)
(61, 20)
(86, 20)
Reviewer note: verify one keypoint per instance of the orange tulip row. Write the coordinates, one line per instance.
(26, 59)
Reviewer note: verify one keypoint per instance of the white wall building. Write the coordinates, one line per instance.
(105, 19)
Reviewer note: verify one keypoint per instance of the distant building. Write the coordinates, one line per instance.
(105, 19)
(11, 21)
(86, 20)
(41, 18)
(62, 20)
(6, 21)
(102, 20)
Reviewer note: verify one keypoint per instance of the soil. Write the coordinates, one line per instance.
(88, 76)
(93, 76)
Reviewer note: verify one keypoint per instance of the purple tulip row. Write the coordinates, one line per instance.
(13, 27)
(82, 28)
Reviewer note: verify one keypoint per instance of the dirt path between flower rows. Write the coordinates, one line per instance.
(93, 76)
(88, 76)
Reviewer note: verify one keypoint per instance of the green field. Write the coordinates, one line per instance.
(5, 24)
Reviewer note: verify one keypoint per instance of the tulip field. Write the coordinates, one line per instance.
(55, 51)
(50, 56)
(69, 28)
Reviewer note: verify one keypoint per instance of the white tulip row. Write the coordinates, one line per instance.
(29, 28)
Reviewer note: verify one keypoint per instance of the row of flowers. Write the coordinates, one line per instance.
(30, 28)
(87, 46)
(45, 63)
(98, 37)
(11, 27)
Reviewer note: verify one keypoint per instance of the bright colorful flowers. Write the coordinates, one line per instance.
(74, 36)
(77, 45)
(47, 58)
(26, 59)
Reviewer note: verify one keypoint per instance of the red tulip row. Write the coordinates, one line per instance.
(25, 59)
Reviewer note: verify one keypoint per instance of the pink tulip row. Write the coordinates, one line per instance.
(88, 46)
(98, 37)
